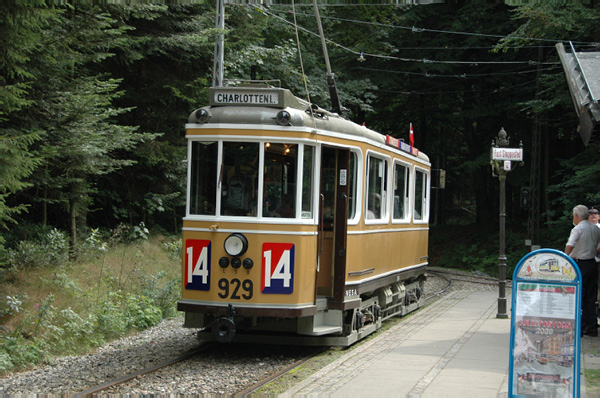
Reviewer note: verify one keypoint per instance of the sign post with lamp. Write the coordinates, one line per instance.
(503, 161)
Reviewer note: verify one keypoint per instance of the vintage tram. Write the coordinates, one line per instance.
(301, 226)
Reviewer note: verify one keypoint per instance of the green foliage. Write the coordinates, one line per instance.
(49, 250)
(473, 251)
(94, 244)
(114, 305)
(16, 164)
(174, 248)
(141, 312)
(139, 232)
(13, 305)
(17, 352)
(93, 98)
(162, 294)
(70, 334)
(575, 181)
(110, 320)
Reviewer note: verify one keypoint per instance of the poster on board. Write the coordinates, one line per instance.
(545, 326)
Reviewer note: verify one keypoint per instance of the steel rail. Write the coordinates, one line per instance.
(253, 388)
(249, 390)
(89, 393)
(441, 291)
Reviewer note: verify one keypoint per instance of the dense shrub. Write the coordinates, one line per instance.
(50, 249)
(110, 289)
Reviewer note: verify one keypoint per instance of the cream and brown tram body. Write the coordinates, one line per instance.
(301, 227)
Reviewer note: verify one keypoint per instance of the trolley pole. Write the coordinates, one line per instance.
(503, 161)
(219, 45)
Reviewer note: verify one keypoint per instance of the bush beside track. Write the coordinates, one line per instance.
(57, 303)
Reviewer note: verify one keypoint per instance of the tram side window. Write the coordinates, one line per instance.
(376, 199)
(420, 211)
(239, 179)
(203, 178)
(307, 182)
(401, 181)
(280, 180)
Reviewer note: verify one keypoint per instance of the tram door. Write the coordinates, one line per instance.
(333, 223)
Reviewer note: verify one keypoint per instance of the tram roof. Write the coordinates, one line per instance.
(259, 105)
(582, 70)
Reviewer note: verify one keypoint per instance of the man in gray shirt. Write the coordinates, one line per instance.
(582, 247)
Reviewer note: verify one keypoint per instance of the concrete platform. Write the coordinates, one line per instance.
(455, 347)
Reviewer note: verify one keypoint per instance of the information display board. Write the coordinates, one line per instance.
(545, 326)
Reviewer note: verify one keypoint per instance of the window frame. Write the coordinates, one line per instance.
(258, 217)
(408, 169)
(384, 195)
(424, 198)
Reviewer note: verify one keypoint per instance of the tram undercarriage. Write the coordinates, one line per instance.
(327, 327)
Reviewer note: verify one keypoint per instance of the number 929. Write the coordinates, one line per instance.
(238, 289)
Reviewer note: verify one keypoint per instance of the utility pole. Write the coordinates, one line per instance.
(503, 161)
(533, 221)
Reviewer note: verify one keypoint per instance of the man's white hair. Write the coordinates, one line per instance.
(581, 211)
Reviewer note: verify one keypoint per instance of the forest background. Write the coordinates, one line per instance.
(94, 97)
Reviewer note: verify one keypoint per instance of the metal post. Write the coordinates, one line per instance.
(335, 100)
(219, 46)
(502, 255)
(501, 166)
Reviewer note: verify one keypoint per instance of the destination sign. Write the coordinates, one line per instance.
(396, 143)
(245, 98)
(507, 154)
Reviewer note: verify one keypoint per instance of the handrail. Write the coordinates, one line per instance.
(587, 85)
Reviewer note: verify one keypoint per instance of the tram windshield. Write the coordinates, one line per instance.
(226, 179)
(280, 180)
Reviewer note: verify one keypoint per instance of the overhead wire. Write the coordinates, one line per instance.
(480, 92)
(553, 65)
(406, 59)
(415, 29)
(462, 76)
(301, 63)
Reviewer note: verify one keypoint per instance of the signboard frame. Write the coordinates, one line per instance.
(545, 334)
(512, 154)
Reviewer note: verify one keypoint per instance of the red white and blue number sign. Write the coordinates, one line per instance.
(197, 264)
(278, 268)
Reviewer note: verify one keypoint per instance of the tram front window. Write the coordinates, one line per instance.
(239, 179)
(203, 180)
(239, 188)
(279, 193)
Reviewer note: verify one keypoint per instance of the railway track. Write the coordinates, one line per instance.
(445, 281)
(112, 383)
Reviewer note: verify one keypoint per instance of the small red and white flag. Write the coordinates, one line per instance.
(412, 136)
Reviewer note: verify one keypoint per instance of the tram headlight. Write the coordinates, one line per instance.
(283, 118)
(236, 262)
(202, 115)
(236, 244)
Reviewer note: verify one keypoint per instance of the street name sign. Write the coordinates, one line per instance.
(499, 153)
